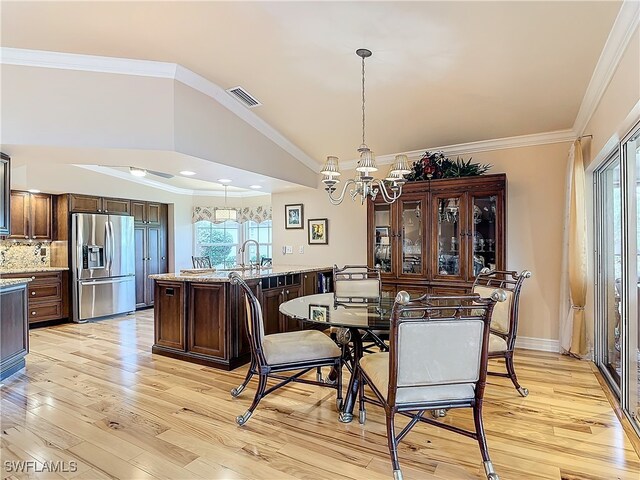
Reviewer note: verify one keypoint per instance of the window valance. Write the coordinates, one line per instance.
(258, 214)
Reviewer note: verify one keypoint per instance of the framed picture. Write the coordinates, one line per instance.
(318, 231)
(319, 313)
(293, 216)
(382, 235)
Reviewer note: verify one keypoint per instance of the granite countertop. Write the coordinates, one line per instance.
(31, 270)
(223, 275)
(6, 282)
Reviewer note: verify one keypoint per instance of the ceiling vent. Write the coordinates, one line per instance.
(243, 97)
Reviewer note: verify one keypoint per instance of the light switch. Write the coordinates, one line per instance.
(284, 250)
(301, 249)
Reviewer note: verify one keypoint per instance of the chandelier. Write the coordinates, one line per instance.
(364, 185)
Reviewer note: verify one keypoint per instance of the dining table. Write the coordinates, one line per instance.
(353, 319)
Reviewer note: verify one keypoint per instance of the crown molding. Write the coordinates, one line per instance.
(149, 68)
(163, 186)
(558, 136)
(620, 35)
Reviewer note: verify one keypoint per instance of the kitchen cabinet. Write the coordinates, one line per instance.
(205, 322)
(92, 204)
(438, 235)
(151, 252)
(30, 216)
(14, 330)
(149, 213)
(5, 194)
(48, 295)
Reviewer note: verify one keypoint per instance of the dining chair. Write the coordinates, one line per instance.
(504, 321)
(355, 285)
(201, 262)
(437, 359)
(276, 353)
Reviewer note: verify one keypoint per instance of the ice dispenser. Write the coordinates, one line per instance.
(92, 256)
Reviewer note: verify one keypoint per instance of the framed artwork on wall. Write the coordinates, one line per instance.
(318, 231)
(294, 216)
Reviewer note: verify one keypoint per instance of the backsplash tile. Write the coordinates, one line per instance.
(24, 254)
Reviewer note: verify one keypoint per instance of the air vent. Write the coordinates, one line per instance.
(244, 97)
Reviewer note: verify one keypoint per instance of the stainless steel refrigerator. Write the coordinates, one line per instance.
(103, 259)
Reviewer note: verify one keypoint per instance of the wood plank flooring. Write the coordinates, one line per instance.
(94, 394)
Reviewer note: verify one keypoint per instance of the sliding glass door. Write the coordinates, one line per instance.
(617, 240)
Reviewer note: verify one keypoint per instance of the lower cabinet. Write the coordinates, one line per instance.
(206, 322)
(14, 329)
(47, 294)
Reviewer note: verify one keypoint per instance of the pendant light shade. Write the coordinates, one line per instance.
(223, 214)
(401, 165)
(367, 162)
(331, 167)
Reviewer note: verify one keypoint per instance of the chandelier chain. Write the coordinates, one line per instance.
(363, 101)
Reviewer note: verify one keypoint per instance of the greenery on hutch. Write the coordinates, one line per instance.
(434, 165)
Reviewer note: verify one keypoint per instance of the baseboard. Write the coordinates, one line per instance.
(542, 344)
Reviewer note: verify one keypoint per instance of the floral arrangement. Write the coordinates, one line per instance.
(438, 165)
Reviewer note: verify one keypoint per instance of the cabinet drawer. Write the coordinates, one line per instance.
(44, 292)
(36, 277)
(45, 311)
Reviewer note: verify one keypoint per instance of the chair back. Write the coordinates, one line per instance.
(439, 341)
(254, 319)
(356, 283)
(504, 320)
(201, 262)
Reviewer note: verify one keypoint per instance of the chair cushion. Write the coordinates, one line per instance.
(376, 366)
(501, 311)
(497, 344)
(294, 347)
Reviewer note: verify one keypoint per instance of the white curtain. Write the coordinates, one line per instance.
(258, 214)
(573, 337)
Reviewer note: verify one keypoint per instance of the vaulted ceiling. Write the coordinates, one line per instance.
(441, 73)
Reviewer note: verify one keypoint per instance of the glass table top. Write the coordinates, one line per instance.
(321, 308)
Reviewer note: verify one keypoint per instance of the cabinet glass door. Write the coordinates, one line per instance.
(412, 236)
(448, 216)
(382, 245)
(483, 227)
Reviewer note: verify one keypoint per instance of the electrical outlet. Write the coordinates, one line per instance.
(301, 249)
(289, 249)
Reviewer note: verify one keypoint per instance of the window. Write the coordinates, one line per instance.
(221, 241)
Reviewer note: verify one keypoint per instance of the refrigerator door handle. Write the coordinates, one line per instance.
(108, 246)
(106, 282)
(112, 242)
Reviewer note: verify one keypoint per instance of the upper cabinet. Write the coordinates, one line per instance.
(30, 216)
(439, 234)
(147, 212)
(5, 194)
(91, 204)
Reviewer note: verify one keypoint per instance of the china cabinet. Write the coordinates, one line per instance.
(439, 235)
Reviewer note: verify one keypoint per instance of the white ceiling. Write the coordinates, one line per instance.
(442, 73)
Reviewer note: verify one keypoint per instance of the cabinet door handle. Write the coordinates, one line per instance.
(33, 294)
(33, 313)
(27, 237)
(106, 211)
(164, 258)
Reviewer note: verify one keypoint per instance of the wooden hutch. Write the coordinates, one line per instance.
(439, 234)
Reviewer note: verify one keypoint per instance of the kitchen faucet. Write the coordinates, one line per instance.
(241, 252)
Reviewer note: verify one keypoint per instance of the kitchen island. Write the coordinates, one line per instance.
(201, 318)
(14, 325)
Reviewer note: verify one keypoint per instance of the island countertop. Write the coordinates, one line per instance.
(7, 282)
(223, 275)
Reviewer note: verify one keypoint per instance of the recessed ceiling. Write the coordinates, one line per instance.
(116, 163)
(441, 72)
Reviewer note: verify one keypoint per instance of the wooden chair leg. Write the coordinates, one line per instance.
(512, 375)
(393, 444)
(262, 385)
(238, 390)
(482, 442)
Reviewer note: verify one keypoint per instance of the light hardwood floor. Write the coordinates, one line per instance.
(95, 394)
